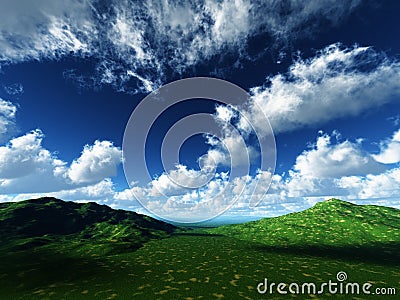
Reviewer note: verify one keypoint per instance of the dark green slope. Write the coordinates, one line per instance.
(43, 221)
(332, 224)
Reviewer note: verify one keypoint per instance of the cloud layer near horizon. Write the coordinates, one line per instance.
(27, 167)
(300, 188)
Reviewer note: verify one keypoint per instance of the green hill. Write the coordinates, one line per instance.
(331, 224)
(91, 226)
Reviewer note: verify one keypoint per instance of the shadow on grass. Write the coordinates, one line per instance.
(378, 253)
(42, 268)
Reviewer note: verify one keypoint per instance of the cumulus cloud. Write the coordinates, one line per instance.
(178, 181)
(390, 150)
(144, 41)
(96, 162)
(372, 186)
(102, 192)
(231, 150)
(327, 169)
(27, 167)
(310, 180)
(341, 170)
(24, 155)
(163, 196)
(325, 160)
(337, 82)
(297, 185)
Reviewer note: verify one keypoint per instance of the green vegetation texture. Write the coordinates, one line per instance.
(51, 249)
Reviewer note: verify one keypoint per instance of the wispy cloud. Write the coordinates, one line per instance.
(7, 118)
(144, 41)
(43, 29)
(14, 89)
(395, 120)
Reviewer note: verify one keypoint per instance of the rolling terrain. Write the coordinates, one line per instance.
(331, 227)
(51, 249)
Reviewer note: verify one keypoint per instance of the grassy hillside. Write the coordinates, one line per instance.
(51, 249)
(95, 228)
(332, 225)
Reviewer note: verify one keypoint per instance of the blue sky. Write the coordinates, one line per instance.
(325, 73)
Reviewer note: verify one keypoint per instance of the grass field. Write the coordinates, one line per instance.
(222, 263)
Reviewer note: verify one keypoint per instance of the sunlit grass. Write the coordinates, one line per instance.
(221, 263)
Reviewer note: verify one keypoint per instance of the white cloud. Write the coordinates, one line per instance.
(27, 167)
(231, 20)
(43, 29)
(24, 155)
(337, 82)
(96, 162)
(341, 169)
(178, 181)
(315, 174)
(14, 89)
(231, 151)
(344, 171)
(102, 192)
(395, 120)
(373, 186)
(390, 150)
(7, 117)
(231, 148)
(181, 192)
(151, 38)
(325, 160)
(163, 196)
